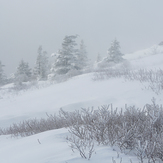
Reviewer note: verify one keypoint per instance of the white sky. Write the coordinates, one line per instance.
(26, 24)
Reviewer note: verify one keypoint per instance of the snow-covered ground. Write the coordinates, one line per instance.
(151, 58)
(51, 147)
(79, 92)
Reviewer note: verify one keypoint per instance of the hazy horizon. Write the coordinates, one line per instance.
(27, 24)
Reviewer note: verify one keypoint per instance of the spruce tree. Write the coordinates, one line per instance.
(114, 54)
(23, 73)
(41, 68)
(98, 59)
(2, 76)
(82, 62)
(66, 58)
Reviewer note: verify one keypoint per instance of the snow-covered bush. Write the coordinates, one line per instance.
(138, 130)
(34, 126)
(85, 145)
(133, 129)
(154, 78)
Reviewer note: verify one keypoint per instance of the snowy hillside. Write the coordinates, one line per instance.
(150, 58)
(78, 92)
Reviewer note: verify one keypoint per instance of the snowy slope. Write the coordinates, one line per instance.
(51, 147)
(80, 91)
(151, 58)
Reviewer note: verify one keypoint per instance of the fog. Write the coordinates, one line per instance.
(26, 24)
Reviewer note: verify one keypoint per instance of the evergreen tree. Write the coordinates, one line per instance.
(2, 76)
(66, 59)
(114, 54)
(98, 59)
(23, 73)
(82, 57)
(41, 68)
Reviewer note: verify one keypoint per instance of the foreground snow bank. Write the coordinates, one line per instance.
(51, 147)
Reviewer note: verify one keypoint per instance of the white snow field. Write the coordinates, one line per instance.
(78, 92)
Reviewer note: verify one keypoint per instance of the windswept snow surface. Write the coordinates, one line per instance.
(51, 147)
(79, 92)
(151, 58)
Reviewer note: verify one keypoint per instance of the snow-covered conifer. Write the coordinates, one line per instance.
(23, 72)
(114, 56)
(66, 58)
(98, 59)
(2, 76)
(41, 68)
(82, 60)
(114, 53)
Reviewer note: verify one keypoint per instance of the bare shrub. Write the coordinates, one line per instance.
(154, 78)
(140, 150)
(34, 126)
(85, 145)
(139, 130)
(134, 129)
(115, 161)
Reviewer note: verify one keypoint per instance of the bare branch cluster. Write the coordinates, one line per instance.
(138, 130)
(33, 126)
(154, 78)
(134, 129)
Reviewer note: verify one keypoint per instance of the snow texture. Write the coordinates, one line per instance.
(78, 92)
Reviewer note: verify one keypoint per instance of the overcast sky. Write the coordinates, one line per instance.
(26, 24)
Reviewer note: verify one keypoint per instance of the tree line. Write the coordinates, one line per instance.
(70, 60)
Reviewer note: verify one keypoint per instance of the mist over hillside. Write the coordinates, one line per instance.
(133, 83)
